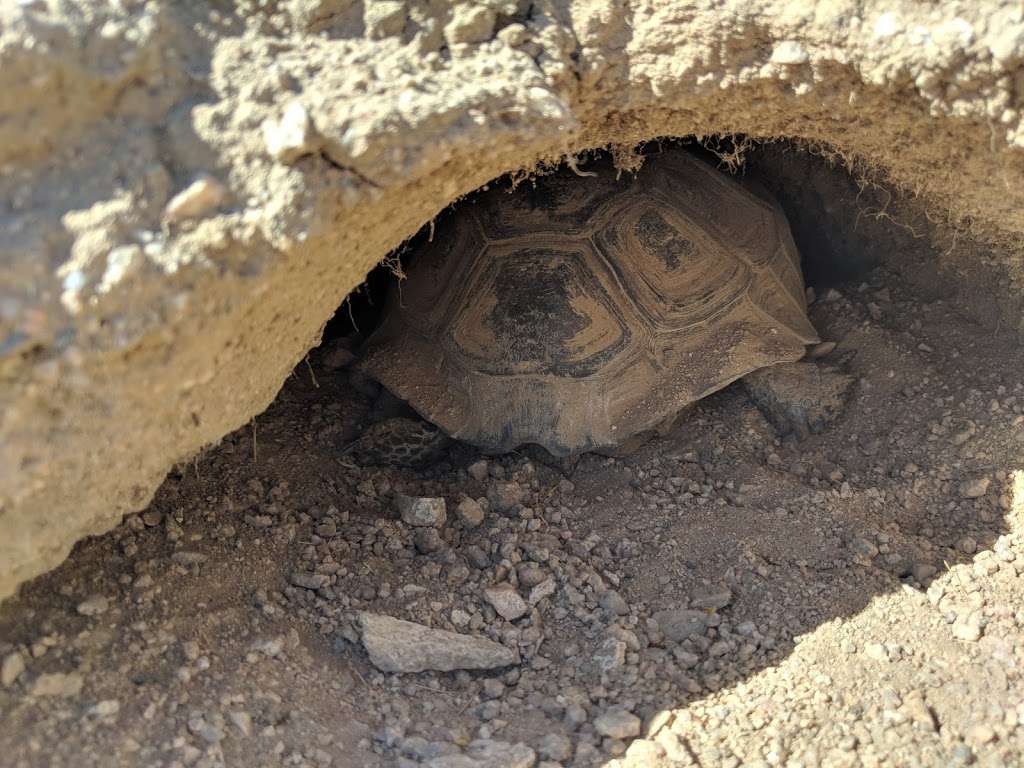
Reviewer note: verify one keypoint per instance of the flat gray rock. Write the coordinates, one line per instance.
(677, 625)
(395, 645)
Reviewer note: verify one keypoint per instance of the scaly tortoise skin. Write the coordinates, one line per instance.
(576, 312)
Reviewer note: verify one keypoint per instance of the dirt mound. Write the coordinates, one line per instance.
(190, 189)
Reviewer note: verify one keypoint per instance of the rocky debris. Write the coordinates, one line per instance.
(421, 511)
(679, 624)
(200, 198)
(617, 724)
(506, 601)
(800, 398)
(394, 645)
(11, 669)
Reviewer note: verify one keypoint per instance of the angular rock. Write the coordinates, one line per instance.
(679, 624)
(470, 512)
(308, 580)
(506, 601)
(427, 540)
(421, 510)
(713, 598)
(546, 588)
(976, 488)
(613, 603)
(799, 399)
(618, 724)
(555, 746)
(394, 645)
(968, 627)
(290, 136)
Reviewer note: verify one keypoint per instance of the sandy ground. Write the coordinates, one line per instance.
(855, 595)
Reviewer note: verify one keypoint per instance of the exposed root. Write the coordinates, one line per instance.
(571, 160)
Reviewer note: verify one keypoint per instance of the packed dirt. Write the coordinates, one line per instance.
(721, 597)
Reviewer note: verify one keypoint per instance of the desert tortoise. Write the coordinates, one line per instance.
(574, 312)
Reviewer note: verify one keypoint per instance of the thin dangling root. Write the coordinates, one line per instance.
(571, 161)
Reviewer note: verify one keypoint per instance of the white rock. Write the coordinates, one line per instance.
(201, 197)
(292, 135)
(968, 628)
(506, 601)
(471, 23)
(789, 52)
(384, 18)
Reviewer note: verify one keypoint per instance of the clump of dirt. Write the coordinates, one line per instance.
(720, 597)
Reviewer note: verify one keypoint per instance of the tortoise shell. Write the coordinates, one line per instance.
(575, 312)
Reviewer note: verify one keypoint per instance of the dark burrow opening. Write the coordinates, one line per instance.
(850, 231)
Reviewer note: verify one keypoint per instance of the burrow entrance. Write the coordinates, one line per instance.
(653, 607)
(850, 231)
